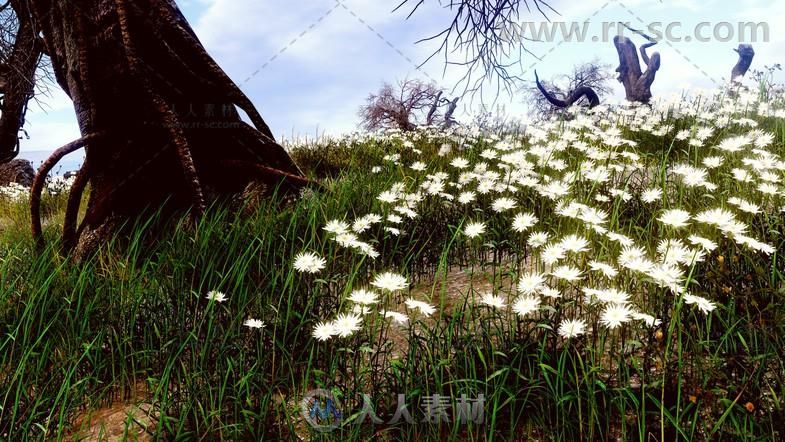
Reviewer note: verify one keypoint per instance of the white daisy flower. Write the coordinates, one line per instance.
(567, 273)
(474, 229)
(572, 328)
(574, 243)
(391, 282)
(324, 331)
(493, 301)
(400, 318)
(418, 166)
(651, 195)
(254, 323)
(393, 231)
(388, 196)
(552, 254)
(703, 304)
(337, 227)
(530, 283)
(704, 243)
(606, 269)
(523, 221)
(525, 305)
(466, 197)
(346, 324)
(425, 308)
(615, 315)
(459, 163)
(216, 296)
(309, 262)
(364, 297)
(675, 218)
(538, 239)
(649, 320)
(502, 204)
(713, 162)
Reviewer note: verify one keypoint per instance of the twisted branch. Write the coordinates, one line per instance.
(40, 179)
(577, 94)
(72, 207)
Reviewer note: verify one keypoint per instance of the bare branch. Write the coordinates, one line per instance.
(480, 35)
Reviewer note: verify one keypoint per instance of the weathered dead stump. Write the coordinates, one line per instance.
(437, 102)
(449, 121)
(572, 97)
(447, 118)
(637, 82)
(746, 54)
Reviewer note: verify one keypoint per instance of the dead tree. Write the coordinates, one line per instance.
(402, 107)
(573, 97)
(637, 83)
(159, 118)
(449, 120)
(746, 54)
(437, 102)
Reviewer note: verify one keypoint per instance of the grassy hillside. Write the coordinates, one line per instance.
(614, 275)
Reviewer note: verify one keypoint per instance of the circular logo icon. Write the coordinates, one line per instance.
(321, 410)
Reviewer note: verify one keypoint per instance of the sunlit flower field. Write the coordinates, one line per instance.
(610, 274)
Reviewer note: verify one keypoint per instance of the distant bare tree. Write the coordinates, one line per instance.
(592, 75)
(409, 104)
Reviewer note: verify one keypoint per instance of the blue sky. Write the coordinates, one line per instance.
(309, 67)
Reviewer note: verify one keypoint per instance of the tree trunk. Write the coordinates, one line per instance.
(157, 114)
(746, 54)
(17, 81)
(637, 84)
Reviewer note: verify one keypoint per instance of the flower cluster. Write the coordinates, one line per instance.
(563, 192)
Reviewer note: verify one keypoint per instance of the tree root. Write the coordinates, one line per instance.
(72, 207)
(264, 171)
(40, 179)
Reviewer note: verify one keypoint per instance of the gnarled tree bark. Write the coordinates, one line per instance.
(158, 116)
(637, 83)
(437, 101)
(746, 54)
(17, 81)
(449, 120)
